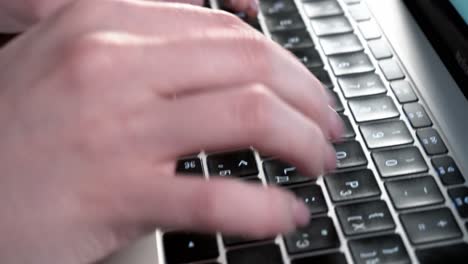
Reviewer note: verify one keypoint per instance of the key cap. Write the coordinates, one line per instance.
(313, 197)
(339, 44)
(319, 234)
(323, 8)
(348, 128)
(417, 115)
(359, 12)
(268, 253)
(338, 107)
(181, 247)
(361, 85)
(276, 7)
(447, 170)
(350, 2)
(364, 218)
(459, 197)
(380, 49)
(353, 63)
(352, 185)
(415, 192)
(384, 249)
(455, 254)
(293, 39)
(386, 134)
(309, 57)
(430, 226)
(331, 26)
(373, 108)
(189, 166)
(230, 241)
(431, 141)
(398, 162)
(332, 258)
(323, 76)
(283, 22)
(349, 154)
(239, 163)
(391, 70)
(281, 173)
(403, 91)
(369, 30)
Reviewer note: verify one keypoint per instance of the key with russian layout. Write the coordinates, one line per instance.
(312, 196)
(363, 218)
(238, 163)
(319, 234)
(359, 12)
(415, 192)
(293, 39)
(189, 166)
(386, 134)
(331, 26)
(391, 70)
(309, 57)
(447, 170)
(283, 22)
(380, 49)
(281, 173)
(352, 185)
(417, 115)
(182, 247)
(339, 44)
(332, 258)
(459, 197)
(369, 30)
(431, 141)
(348, 128)
(398, 162)
(275, 7)
(267, 253)
(361, 85)
(430, 226)
(323, 8)
(352, 63)
(338, 107)
(383, 250)
(323, 76)
(403, 91)
(349, 154)
(373, 108)
(453, 254)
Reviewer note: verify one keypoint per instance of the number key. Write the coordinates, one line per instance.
(431, 141)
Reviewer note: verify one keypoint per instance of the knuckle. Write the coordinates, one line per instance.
(228, 20)
(258, 53)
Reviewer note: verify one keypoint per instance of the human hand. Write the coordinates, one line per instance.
(91, 129)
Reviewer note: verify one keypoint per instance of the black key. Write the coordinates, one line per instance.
(391, 70)
(386, 134)
(397, 162)
(352, 63)
(459, 197)
(319, 234)
(455, 254)
(349, 154)
(234, 241)
(189, 166)
(369, 30)
(282, 22)
(447, 170)
(431, 141)
(339, 44)
(365, 218)
(403, 91)
(338, 107)
(383, 250)
(239, 163)
(181, 247)
(417, 115)
(269, 253)
(313, 197)
(348, 128)
(276, 7)
(359, 12)
(309, 57)
(361, 85)
(373, 108)
(323, 76)
(293, 39)
(332, 258)
(414, 192)
(380, 49)
(323, 8)
(331, 26)
(352, 185)
(430, 226)
(281, 173)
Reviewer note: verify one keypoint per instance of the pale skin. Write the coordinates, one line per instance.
(100, 98)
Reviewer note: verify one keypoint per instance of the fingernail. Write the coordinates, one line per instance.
(335, 125)
(330, 159)
(300, 212)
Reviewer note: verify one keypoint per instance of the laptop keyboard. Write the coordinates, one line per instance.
(397, 196)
